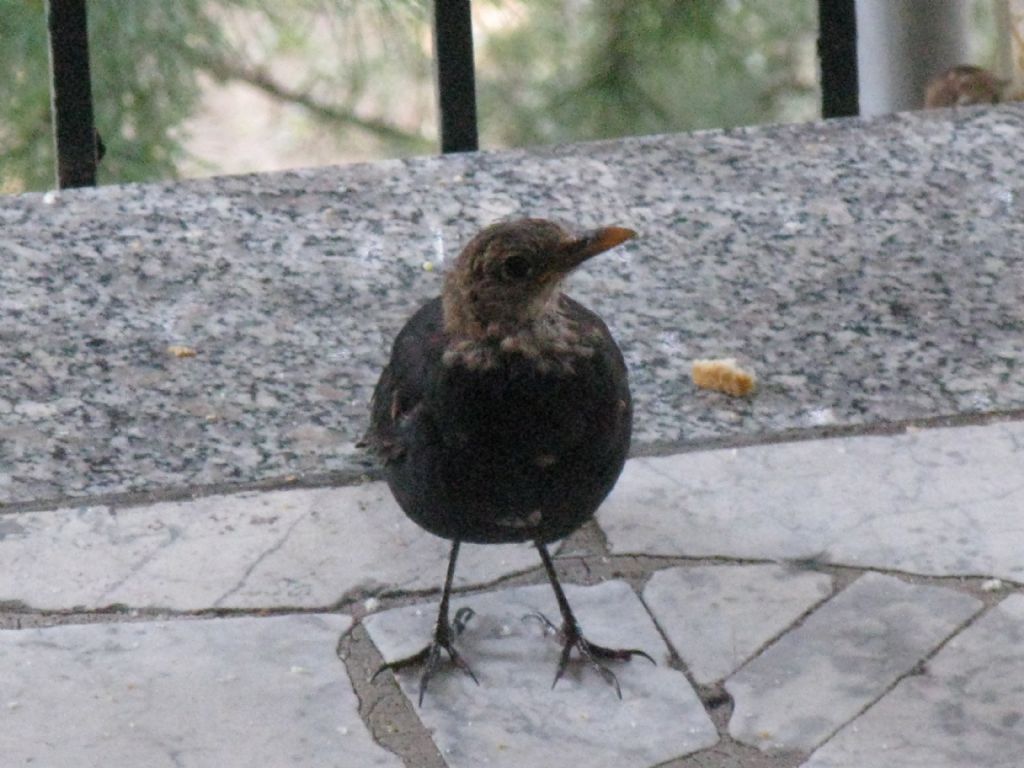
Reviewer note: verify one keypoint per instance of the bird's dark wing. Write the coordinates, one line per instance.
(415, 356)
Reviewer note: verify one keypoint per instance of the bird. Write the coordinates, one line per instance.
(505, 415)
(963, 85)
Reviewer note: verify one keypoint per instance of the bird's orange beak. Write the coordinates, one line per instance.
(579, 249)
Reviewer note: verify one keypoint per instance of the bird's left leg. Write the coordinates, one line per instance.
(444, 633)
(572, 636)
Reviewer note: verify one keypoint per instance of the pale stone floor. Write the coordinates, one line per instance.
(838, 602)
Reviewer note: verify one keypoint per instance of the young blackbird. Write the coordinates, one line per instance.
(962, 85)
(504, 414)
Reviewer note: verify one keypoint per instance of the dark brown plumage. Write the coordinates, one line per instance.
(504, 414)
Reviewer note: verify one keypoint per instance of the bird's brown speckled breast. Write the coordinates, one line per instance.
(552, 345)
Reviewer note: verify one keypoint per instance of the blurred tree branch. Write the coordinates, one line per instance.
(223, 70)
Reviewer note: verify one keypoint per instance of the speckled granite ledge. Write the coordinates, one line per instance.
(870, 271)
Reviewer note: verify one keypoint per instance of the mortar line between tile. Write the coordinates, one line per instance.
(795, 624)
(674, 656)
(357, 652)
(391, 598)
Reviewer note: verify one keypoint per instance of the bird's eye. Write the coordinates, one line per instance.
(516, 267)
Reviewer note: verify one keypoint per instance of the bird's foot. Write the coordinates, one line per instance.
(430, 656)
(571, 637)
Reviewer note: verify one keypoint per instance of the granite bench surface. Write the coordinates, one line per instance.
(869, 271)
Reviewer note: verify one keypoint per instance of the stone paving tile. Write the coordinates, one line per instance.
(514, 717)
(182, 694)
(716, 617)
(840, 659)
(299, 548)
(936, 501)
(966, 710)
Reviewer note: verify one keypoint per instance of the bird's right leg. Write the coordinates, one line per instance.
(444, 633)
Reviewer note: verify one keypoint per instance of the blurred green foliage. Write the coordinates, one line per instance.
(548, 71)
(141, 88)
(616, 67)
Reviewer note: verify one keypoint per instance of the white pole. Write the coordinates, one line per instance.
(1012, 25)
(901, 45)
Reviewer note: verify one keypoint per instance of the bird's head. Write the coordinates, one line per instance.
(963, 85)
(508, 276)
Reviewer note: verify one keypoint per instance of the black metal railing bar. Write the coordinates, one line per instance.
(456, 78)
(837, 52)
(71, 91)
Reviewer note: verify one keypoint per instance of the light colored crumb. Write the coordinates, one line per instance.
(723, 375)
(992, 585)
(180, 350)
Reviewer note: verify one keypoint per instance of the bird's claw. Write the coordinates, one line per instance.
(544, 621)
(430, 656)
(571, 637)
(462, 617)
